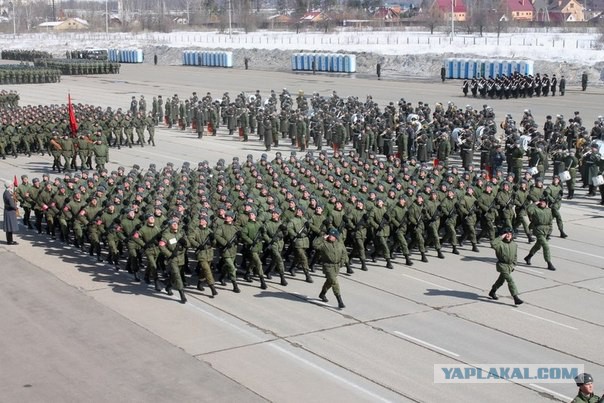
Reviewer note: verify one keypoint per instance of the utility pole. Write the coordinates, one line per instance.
(230, 18)
(106, 16)
(452, 19)
(14, 19)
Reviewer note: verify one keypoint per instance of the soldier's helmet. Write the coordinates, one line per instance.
(583, 378)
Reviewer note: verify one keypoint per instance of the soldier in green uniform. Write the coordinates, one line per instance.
(379, 221)
(147, 239)
(227, 235)
(173, 245)
(486, 204)
(506, 251)
(297, 230)
(415, 216)
(522, 202)
(273, 237)
(251, 237)
(202, 239)
(23, 196)
(467, 209)
(554, 194)
(541, 222)
(586, 390)
(449, 210)
(433, 214)
(130, 225)
(398, 218)
(332, 254)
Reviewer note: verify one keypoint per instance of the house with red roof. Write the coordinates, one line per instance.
(444, 8)
(519, 10)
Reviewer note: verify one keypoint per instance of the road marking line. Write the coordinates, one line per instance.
(527, 269)
(576, 251)
(426, 343)
(293, 355)
(566, 398)
(427, 282)
(333, 375)
(545, 319)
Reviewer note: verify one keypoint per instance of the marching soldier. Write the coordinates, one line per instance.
(506, 251)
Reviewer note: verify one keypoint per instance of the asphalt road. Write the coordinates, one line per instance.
(73, 330)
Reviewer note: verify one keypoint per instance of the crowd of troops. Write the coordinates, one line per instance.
(9, 99)
(252, 216)
(24, 55)
(27, 74)
(515, 85)
(47, 129)
(79, 66)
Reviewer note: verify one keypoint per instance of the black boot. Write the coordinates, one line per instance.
(248, 277)
(455, 251)
(493, 295)
(475, 248)
(322, 296)
(527, 259)
(292, 271)
(550, 266)
(99, 257)
(183, 299)
(283, 281)
(340, 302)
(169, 290)
(530, 239)
(389, 264)
(136, 278)
(439, 254)
(308, 278)
(262, 283)
(157, 287)
(563, 234)
(200, 285)
(517, 300)
(348, 268)
(424, 258)
(408, 261)
(213, 289)
(235, 287)
(363, 266)
(147, 278)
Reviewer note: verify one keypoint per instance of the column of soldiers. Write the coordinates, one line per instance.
(46, 129)
(515, 85)
(79, 66)
(26, 74)
(24, 55)
(263, 217)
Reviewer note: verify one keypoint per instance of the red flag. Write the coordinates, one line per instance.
(15, 181)
(73, 124)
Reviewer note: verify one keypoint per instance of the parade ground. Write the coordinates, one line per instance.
(73, 330)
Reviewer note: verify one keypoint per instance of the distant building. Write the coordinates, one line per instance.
(444, 7)
(519, 10)
(70, 24)
(571, 8)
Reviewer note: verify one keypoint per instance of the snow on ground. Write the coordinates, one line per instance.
(404, 53)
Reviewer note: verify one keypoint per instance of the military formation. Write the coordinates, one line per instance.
(9, 99)
(24, 55)
(515, 85)
(27, 74)
(263, 217)
(395, 192)
(47, 130)
(79, 66)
